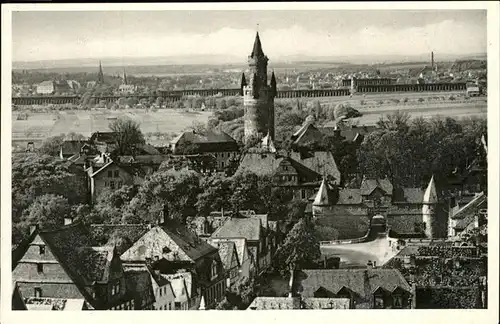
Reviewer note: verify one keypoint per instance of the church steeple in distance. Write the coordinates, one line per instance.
(124, 77)
(100, 75)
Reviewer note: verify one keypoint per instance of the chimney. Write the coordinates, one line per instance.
(68, 220)
(369, 265)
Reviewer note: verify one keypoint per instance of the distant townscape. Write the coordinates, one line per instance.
(316, 187)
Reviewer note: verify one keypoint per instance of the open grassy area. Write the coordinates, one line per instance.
(42, 125)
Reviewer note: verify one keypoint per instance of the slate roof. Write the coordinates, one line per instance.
(321, 162)
(121, 235)
(350, 133)
(349, 196)
(139, 282)
(148, 149)
(94, 262)
(187, 241)
(325, 303)
(249, 228)
(204, 138)
(307, 132)
(103, 137)
(17, 298)
(480, 201)
(72, 147)
(362, 282)
(156, 159)
(268, 164)
(239, 244)
(368, 185)
(408, 196)
(226, 251)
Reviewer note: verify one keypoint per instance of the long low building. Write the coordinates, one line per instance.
(176, 95)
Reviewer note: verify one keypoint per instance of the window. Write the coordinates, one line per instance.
(177, 305)
(214, 269)
(39, 267)
(222, 164)
(397, 301)
(117, 173)
(42, 249)
(105, 183)
(161, 291)
(115, 289)
(303, 193)
(112, 184)
(378, 301)
(38, 292)
(110, 173)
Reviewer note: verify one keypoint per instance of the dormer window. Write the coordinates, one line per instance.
(397, 301)
(214, 269)
(378, 301)
(115, 289)
(42, 249)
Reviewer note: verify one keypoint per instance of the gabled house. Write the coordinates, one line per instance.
(176, 244)
(246, 259)
(365, 288)
(230, 261)
(63, 263)
(111, 176)
(472, 215)
(217, 143)
(159, 290)
(255, 234)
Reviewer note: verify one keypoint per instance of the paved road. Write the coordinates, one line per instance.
(358, 254)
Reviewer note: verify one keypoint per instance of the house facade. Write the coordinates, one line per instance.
(183, 250)
(65, 264)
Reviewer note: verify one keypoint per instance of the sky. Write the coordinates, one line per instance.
(53, 35)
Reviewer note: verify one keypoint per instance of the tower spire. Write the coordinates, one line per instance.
(124, 77)
(257, 47)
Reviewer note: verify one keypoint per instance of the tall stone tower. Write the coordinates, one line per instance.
(429, 210)
(258, 95)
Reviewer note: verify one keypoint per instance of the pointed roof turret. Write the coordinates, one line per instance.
(322, 195)
(257, 47)
(267, 143)
(273, 85)
(243, 83)
(430, 195)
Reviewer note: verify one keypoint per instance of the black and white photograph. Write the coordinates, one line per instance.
(244, 158)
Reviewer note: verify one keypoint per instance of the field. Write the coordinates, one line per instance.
(41, 125)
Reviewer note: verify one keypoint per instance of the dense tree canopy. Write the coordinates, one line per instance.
(128, 135)
(300, 249)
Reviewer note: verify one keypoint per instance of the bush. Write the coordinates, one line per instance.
(451, 98)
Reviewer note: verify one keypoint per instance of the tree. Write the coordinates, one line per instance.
(300, 249)
(75, 136)
(128, 135)
(396, 121)
(215, 194)
(111, 205)
(46, 211)
(175, 190)
(52, 145)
